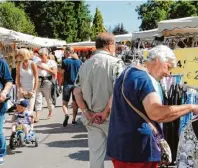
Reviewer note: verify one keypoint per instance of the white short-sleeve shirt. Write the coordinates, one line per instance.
(49, 64)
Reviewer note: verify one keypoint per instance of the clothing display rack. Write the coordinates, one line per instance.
(177, 92)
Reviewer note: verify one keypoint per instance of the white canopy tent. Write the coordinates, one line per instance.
(187, 25)
(123, 37)
(84, 43)
(146, 35)
(7, 35)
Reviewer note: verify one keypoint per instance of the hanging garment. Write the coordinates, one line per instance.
(187, 154)
(186, 118)
(171, 129)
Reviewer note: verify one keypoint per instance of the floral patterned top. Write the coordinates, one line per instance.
(187, 154)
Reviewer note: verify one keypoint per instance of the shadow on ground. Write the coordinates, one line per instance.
(82, 155)
(82, 143)
(61, 129)
(80, 136)
(57, 128)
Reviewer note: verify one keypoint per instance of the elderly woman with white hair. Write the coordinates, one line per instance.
(137, 110)
(47, 70)
(26, 77)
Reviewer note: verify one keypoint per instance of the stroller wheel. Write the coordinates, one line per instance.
(36, 142)
(12, 142)
(21, 139)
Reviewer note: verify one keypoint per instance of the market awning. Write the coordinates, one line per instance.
(123, 37)
(84, 43)
(179, 26)
(29, 40)
(146, 35)
(84, 48)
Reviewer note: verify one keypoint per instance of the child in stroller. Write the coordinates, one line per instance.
(22, 127)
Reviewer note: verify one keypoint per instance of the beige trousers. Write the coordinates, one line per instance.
(97, 139)
(45, 91)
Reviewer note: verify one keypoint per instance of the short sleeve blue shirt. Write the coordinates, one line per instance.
(71, 67)
(5, 77)
(130, 138)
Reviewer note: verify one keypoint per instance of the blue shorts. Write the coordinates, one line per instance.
(67, 92)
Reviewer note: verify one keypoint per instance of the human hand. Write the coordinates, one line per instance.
(60, 89)
(89, 115)
(3, 97)
(99, 117)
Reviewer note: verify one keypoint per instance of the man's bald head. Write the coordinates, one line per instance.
(104, 39)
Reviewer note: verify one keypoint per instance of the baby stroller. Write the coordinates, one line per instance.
(17, 138)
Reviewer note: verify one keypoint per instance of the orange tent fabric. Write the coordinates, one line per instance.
(83, 48)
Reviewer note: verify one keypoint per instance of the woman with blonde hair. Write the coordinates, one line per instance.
(26, 77)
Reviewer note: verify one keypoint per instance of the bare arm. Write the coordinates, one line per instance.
(53, 71)
(18, 76)
(164, 113)
(35, 73)
(61, 77)
(79, 99)
(7, 87)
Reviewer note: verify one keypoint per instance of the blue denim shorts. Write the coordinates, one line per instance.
(67, 92)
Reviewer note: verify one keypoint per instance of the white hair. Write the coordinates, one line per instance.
(43, 51)
(162, 52)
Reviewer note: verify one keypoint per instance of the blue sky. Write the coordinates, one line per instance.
(115, 12)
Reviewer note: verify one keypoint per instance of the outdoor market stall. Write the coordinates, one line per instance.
(181, 36)
(83, 49)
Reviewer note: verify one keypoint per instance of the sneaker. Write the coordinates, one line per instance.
(65, 123)
(1, 161)
(74, 122)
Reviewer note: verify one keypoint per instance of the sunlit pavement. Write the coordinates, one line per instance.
(59, 147)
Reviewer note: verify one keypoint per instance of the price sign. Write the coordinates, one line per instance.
(191, 73)
(181, 55)
(187, 64)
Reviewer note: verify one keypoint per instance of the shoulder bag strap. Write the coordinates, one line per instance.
(154, 129)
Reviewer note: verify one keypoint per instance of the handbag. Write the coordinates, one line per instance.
(166, 155)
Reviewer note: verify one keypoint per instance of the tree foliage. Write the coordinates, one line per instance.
(14, 18)
(182, 9)
(66, 20)
(97, 26)
(119, 29)
(154, 11)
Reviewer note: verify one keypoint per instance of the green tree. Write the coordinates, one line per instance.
(182, 9)
(64, 20)
(119, 29)
(83, 17)
(97, 26)
(152, 12)
(14, 18)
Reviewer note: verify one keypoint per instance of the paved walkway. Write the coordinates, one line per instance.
(58, 148)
